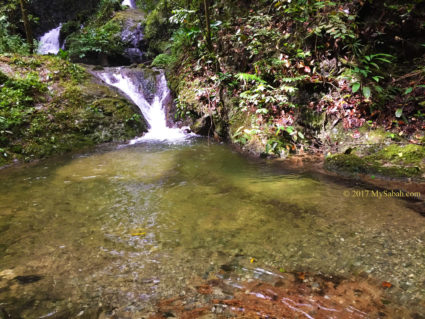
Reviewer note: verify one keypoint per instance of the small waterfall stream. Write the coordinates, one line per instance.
(129, 3)
(49, 42)
(153, 111)
(129, 82)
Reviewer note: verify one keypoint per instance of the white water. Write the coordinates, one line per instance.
(49, 42)
(154, 113)
(128, 3)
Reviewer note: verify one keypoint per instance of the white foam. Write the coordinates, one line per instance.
(154, 113)
(49, 42)
(128, 3)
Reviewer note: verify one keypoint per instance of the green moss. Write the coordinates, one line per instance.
(399, 154)
(75, 112)
(163, 60)
(352, 164)
(129, 15)
(347, 163)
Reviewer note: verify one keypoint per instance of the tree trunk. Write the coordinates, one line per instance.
(27, 26)
(208, 27)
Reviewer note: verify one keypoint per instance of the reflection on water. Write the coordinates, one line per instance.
(123, 229)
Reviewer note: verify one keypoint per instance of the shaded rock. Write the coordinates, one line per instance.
(203, 126)
(132, 34)
(23, 280)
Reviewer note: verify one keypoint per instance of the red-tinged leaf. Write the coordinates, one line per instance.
(386, 284)
(307, 69)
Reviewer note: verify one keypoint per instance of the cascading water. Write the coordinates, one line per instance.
(129, 3)
(49, 42)
(154, 111)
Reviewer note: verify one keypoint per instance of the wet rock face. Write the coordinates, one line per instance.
(53, 12)
(132, 36)
(203, 126)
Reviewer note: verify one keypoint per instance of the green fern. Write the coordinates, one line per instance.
(247, 77)
(294, 79)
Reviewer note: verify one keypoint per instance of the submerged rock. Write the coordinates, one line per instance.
(23, 280)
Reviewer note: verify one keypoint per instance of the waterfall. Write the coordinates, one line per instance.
(49, 42)
(129, 3)
(154, 111)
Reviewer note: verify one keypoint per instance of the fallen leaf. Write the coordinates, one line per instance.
(138, 234)
(386, 284)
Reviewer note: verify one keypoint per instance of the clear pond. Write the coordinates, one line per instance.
(121, 229)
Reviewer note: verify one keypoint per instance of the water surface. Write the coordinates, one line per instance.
(122, 229)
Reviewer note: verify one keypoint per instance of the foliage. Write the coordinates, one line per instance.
(10, 42)
(17, 100)
(105, 39)
(367, 69)
(283, 61)
(99, 34)
(104, 12)
(163, 60)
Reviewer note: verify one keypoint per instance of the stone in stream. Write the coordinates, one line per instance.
(23, 280)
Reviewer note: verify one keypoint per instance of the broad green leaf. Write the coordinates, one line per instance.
(408, 90)
(366, 92)
(355, 87)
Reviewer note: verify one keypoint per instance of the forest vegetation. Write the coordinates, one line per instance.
(212, 159)
(278, 78)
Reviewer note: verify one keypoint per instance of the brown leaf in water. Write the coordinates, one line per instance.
(386, 284)
(301, 275)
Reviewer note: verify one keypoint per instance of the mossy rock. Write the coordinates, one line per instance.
(401, 154)
(75, 112)
(352, 164)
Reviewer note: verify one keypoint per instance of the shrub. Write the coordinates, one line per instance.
(105, 39)
(10, 42)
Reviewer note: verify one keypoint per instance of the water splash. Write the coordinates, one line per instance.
(154, 112)
(49, 42)
(129, 3)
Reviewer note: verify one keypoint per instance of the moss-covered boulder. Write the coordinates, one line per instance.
(112, 39)
(390, 161)
(50, 106)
